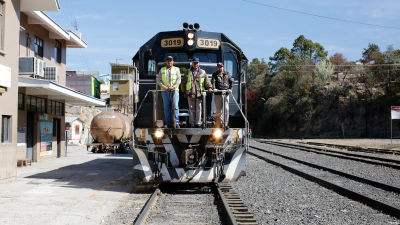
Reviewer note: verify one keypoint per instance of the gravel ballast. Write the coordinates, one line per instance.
(127, 210)
(375, 193)
(378, 173)
(276, 196)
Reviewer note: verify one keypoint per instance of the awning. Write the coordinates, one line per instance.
(55, 30)
(55, 91)
(40, 5)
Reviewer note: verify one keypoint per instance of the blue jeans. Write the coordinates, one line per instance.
(167, 100)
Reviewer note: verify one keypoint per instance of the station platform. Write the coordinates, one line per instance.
(82, 188)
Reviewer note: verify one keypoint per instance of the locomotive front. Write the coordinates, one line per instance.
(205, 154)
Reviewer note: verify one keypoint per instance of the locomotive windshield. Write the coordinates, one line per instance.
(178, 57)
(208, 57)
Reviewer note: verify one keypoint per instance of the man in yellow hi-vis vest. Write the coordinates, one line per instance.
(169, 79)
(195, 82)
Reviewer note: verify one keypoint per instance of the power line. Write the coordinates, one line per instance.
(289, 71)
(321, 16)
(343, 65)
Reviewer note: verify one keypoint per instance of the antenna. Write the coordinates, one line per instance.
(74, 24)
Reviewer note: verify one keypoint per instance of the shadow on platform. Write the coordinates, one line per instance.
(111, 173)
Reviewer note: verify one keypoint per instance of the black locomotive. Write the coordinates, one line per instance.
(205, 154)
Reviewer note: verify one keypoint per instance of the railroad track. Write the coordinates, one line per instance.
(377, 195)
(207, 204)
(393, 163)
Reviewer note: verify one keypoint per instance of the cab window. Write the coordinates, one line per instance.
(149, 64)
(178, 57)
(230, 64)
(151, 67)
(209, 57)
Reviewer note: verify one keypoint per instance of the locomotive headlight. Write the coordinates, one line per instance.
(190, 35)
(159, 133)
(217, 133)
(190, 42)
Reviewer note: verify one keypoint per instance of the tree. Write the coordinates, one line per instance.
(303, 50)
(337, 59)
(257, 67)
(323, 72)
(281, 56)
(303, 47)
(372, 54)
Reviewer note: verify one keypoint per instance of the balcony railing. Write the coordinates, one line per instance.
(120, 76)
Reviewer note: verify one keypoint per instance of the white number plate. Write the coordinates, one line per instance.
(208, 43)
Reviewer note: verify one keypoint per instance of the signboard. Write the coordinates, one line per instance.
(208, 43)
(172, 42)
(5, 76)
(43, 117)
(395, 112)
(21, 135)
(46, 134)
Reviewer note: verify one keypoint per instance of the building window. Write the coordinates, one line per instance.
(35, 104)
(115, 86)
(57, 51)
(6, 129)
(21, 101)
(77, 129)
(58, 108)
(55, 108)
(38, 47)
(2, 25)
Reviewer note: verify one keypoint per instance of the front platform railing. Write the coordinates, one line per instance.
(225, 94)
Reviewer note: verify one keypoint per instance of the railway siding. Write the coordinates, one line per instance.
(388, 175)
(280, 197)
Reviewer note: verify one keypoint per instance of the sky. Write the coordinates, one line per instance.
(115, 30)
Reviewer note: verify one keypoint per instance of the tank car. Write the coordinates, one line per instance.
(111, 131)
(205, 154)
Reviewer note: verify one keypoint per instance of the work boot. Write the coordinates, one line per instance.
(217, 122)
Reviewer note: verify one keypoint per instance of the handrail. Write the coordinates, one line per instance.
(224, 92)
(140, 106)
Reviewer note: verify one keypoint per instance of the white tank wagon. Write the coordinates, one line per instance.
(111, 131)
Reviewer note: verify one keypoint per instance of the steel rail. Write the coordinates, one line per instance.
(233, 207)
(228, 211)
(141, 218)
(335, 154)
(373, 203)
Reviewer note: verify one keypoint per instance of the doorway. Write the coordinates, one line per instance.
(30, 136)
(57, 134)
